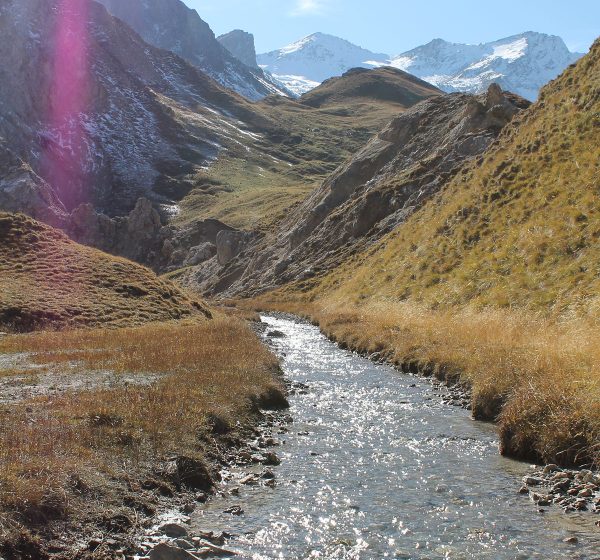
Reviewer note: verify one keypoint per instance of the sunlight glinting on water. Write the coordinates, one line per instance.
(375, 465)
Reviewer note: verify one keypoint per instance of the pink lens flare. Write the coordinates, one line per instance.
(65, 151)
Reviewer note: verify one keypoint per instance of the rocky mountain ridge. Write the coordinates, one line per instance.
(172, 26)
(374, 192)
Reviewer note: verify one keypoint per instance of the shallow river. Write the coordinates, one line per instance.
(376, 466)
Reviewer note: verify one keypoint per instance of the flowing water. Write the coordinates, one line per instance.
(375, 465)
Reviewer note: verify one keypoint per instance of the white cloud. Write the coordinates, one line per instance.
(309, 7)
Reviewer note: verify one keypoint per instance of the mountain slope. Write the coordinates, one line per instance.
(374, 191)
(107, 118)
(318, 133)
(518, 229)
(522, 63)
(301, 66)
(48, 281)
(171, 25)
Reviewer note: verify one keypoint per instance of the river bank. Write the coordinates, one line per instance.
(536, 379)
(377, 465)
(146, 423)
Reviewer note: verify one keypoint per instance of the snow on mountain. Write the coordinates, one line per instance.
(303, 65)
(521, 63)
(171, 25)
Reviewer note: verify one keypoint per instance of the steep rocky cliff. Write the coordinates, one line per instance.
(171, 25)
(241, 45)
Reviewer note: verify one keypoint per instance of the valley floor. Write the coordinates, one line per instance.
(537, 378)
(136, 421)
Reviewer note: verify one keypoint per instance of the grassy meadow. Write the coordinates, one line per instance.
(85, 452)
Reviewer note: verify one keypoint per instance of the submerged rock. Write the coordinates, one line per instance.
(166, 551)
(173, 530)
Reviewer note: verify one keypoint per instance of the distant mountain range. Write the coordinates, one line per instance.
(521, 63)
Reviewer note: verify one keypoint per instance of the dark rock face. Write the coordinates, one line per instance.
(140, 236)
(241, 45)
(171, 25)
(413, 158)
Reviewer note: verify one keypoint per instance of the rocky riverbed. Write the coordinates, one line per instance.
(571, 490)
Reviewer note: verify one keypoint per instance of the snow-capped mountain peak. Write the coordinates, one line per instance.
(521, 63)
(306, 63)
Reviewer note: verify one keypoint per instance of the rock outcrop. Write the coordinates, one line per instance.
(241, 45)
(22, 190)
(230, 244)
(141, 236)
(401, 168)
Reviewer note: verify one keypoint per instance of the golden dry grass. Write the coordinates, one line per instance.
(538, 378)
(49, 281)
(517, 229)
(212, 368)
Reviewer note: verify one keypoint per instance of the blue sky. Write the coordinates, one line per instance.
(394, 26)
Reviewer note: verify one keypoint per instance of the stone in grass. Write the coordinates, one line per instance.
(165, 551)
(173, 530)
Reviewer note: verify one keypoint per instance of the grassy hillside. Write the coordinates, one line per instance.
(518, 229)
(253, 189)
(383, 85)
(48, 281)
(495, 281)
